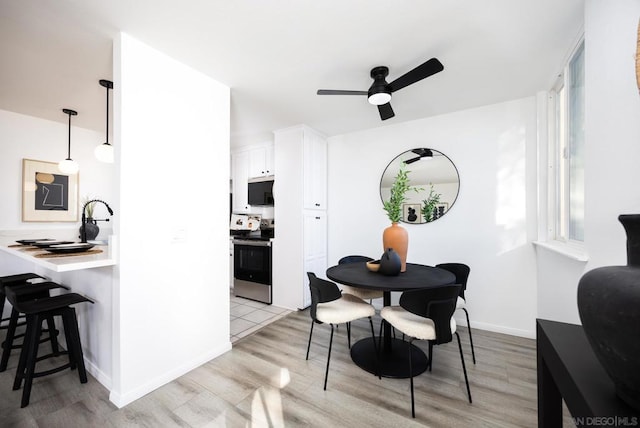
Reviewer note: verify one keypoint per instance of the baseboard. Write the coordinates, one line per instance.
(124, 398)
(98, 374)
(529, 334)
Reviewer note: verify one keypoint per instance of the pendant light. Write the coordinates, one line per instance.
(69, 166)
(104, 152)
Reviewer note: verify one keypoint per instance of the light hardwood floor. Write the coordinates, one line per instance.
(266, 381)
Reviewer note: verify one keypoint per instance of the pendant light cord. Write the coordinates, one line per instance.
(107, 130)
(108, 84)
(69, 144)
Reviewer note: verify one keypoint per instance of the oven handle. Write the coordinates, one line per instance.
(252, 243)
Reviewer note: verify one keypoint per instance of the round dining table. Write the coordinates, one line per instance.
(393, 358)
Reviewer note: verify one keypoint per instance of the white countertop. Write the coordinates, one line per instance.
(62, 264)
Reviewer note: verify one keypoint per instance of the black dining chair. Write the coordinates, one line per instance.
(427, 314)
(461, 271)
(329, 305)
(362, 293)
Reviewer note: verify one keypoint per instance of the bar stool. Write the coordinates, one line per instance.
(22, 278)
(36, 311)
(25, 290)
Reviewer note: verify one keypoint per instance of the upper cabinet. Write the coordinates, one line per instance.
(314, 149)
(246, 163)
(239, 179)
(261, 161)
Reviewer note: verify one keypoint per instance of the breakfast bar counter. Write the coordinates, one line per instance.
(98, 256)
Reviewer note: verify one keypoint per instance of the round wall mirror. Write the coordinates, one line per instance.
(436, 177)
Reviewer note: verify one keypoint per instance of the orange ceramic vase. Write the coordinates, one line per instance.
(396, 237)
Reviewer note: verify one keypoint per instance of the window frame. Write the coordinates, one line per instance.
(559, 159)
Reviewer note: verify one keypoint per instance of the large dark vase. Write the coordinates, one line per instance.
(609, 306)
(390, 263)
(92, 229)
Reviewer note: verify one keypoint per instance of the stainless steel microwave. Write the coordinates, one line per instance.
(260, 191)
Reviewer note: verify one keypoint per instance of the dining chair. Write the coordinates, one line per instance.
(330, 306)
(362, 293)
(461, 271)
(427, 314)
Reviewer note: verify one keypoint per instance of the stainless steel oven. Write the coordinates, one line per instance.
(252, 269)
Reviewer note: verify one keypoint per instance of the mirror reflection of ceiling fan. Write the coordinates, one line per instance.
(379, 93)
(422, 153)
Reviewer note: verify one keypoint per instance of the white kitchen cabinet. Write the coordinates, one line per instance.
(300, 192)
(246, 163)
(239, 179)
(261, 161)
(314, 249)
(315, 172)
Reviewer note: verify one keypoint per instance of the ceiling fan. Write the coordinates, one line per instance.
(380, 91)
(422, 153)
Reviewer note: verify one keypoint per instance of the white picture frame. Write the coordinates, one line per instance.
(48, 195)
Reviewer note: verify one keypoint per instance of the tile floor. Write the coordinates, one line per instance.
(248, 316)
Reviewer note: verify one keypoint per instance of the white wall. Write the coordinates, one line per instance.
(492, 223)
(612, 130)
(172, 145)
(26, 137)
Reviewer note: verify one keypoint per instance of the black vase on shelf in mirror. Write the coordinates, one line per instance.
(609, 307)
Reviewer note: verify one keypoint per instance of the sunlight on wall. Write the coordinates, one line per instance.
(511, 189)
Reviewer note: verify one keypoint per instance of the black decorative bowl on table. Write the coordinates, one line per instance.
(32, 241)
(47, 243)
(75, 247)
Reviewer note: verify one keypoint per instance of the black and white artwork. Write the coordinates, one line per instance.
(411, 213)
(48, 195)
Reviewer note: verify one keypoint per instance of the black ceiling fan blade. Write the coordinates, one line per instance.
(408, 161)
(422, 71)
(386, 112)
(340, 92)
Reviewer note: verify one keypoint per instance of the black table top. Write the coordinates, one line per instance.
(415, 277)
(581, 379)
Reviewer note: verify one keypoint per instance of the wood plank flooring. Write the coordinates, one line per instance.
(265, 381)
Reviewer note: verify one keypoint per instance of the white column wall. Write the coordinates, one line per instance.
(492, 223)
(172, 147)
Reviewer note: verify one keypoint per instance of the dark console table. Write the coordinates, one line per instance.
(568, 369)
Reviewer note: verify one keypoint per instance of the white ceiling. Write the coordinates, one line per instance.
(275, 54)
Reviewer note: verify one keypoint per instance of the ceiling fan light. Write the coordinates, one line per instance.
(379, 98)
(104, 153)
(68, 166)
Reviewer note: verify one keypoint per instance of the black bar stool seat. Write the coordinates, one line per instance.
(24, 290)
(36, 311)
(21, 278)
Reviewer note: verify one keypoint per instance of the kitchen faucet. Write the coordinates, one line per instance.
(83, 235)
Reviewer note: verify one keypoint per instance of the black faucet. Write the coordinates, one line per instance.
(83, 235)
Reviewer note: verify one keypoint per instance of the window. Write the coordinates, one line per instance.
(567, 152)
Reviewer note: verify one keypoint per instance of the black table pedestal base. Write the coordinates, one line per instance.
(394, 362)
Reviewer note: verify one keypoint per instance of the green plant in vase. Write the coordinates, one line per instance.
(89, 207)
(395, 236)
(398, 195)
(430, 204)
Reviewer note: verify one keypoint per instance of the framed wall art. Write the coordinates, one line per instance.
(411, 213)
(47, 193)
